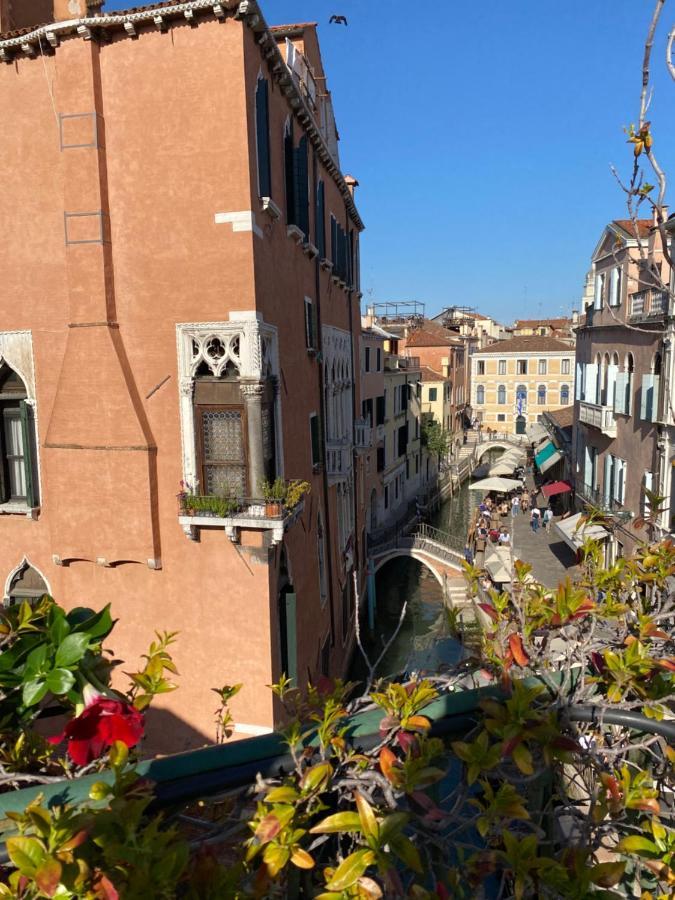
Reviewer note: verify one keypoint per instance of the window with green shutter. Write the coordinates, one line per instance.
(315, 434)
(289, 173)
(320, 220)
(262, 132)
(301, 186)
(17, 441)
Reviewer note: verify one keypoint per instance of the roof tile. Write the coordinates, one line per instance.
(526, 343)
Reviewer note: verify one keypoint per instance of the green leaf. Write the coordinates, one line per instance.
(36, 660)
(350, 870)
(282, 794)
(27, 853)
(317, 777)
(404, 848)
(523, 759)
(58, 627)
(607, 874)
(72, 649)
(99, 790)
(367, 817)
(60, 681)
(96, 625)
(636, 844)
(33, 692)
(48, 876)
(344, 821)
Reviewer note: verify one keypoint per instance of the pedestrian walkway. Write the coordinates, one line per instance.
(550, 557)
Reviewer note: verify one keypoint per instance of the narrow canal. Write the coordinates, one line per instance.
(424, 641)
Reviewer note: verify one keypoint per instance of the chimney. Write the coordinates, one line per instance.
(75, 9)
(351, 183)
(31, 13)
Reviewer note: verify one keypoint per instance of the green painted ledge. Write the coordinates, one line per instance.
(197, 773)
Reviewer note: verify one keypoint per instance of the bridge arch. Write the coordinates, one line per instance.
(497, 445)
(438, 568)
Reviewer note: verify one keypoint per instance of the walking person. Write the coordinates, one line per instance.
(515, 506)
(525, 501)
(534, 519)
(548, 518)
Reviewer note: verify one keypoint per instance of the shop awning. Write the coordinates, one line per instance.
(536, 432)
(574, 532)
(557, 487)
(550, 461)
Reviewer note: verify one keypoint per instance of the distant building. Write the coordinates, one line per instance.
(436, 400)
(513, 382)
(561, 329)
(623, 421)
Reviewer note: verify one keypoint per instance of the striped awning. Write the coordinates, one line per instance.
(550, 461)
(536, 432)
(544, 452)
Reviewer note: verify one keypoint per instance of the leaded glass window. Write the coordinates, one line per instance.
(223, 451)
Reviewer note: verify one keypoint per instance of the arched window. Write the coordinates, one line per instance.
(501, 394)
(25, 583)
(480, 395)
(564, 394)
(541, 395)
(521, 424)
(656, 364)
(604, 380)
(521, 393)
(262, 134)
(17, 441)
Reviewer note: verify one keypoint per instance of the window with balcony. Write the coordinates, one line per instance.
(541, 395)
(262, 135)
(480, 395)
(564, 394)
(623, 392)
(565, 367)
(521, 367)
(480, 367)
(502, 367)
(18, 482)
(501, 394)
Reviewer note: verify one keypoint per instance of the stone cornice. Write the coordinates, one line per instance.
(31, 44)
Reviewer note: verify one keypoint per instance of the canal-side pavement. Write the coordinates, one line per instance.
(551, 559)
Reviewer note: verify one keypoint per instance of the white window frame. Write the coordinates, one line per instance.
(16, 349)
(502, 367)
(565, 366)
(542, 367)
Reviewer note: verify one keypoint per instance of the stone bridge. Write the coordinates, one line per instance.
(503, 442)
(441, 553)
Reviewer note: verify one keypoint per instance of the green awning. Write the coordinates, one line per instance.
(546, 451)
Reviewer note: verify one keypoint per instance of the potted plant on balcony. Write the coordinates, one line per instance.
(274, 494)
(295, 491)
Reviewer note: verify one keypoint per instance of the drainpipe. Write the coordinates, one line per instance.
(322, 418)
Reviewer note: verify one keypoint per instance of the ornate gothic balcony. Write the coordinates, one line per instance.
(600, 417)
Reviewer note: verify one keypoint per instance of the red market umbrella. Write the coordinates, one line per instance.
(558, 487)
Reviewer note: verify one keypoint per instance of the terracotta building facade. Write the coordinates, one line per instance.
(181, 305)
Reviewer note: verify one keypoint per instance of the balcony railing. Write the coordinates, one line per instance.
(338, 458)
(595, 497)
(233, 515)
(363, 434)
(600, 417)
(649, 303)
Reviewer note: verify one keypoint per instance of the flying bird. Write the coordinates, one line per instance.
(338, 20)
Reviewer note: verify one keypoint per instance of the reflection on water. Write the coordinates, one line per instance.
(422, 642)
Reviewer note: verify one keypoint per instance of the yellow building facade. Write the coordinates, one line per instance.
(513, 382)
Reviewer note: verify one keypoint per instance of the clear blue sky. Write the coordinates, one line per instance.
(481, 134)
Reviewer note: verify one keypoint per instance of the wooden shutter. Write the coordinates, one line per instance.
(289, 171)
(263, 138)
(320, 220)
(27, 429)
(612, 372)
(607, 480)
(649, 481)
(620, 392)
(290, 602)
(619, 476)
(301, 185)
(591, 383)
(655, 398)
(316, 439)
(647, 398)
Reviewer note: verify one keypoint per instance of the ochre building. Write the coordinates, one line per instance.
(180, 315)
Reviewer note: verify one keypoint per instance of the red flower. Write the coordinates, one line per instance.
(98, 727)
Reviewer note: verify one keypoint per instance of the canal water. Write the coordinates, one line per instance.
(424, 641)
